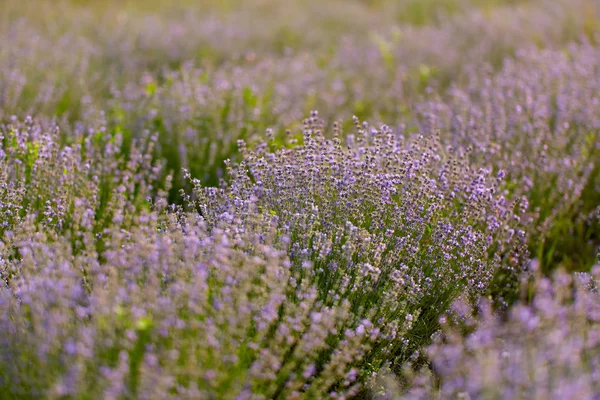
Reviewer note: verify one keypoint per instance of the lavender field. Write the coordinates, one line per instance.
(300, 199)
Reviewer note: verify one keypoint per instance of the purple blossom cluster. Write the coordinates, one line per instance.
(88, 185)
(536, 121)
(399, 228)
(546, 347)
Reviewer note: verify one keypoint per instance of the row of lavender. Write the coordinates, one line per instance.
(203, 80)
(313, 268)
(328, 256)
(316, 267)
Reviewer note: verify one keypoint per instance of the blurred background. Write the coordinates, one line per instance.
(201, 75)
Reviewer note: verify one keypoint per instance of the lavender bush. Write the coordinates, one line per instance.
(399, 228)
(91, 183)
(546, 348)
(536, 120)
